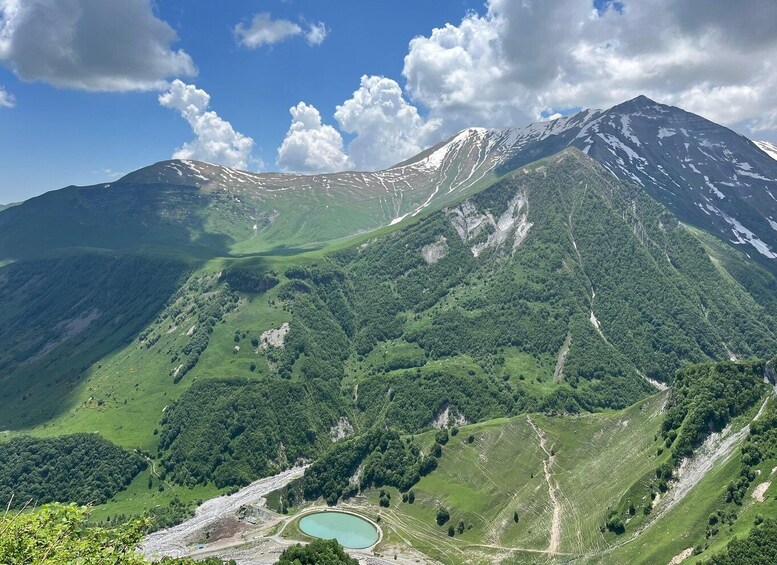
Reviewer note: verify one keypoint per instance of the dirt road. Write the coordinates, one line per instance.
(547, 464)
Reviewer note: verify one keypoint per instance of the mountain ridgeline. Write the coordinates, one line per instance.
(228, 325)
(705, 174)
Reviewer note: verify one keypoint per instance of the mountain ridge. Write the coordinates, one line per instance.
(706, 174)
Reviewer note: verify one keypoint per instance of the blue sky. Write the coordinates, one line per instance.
(55, 137)
(495, 63)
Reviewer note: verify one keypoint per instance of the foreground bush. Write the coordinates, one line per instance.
(58, 534)
(319, 552)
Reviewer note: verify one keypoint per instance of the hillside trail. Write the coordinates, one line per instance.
(547, 467)
(155, 473)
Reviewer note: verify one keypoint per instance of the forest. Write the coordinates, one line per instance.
(457, 319)
(387, 460)
(81, 468)
(757, 548)
(705, 398)
(250, 429)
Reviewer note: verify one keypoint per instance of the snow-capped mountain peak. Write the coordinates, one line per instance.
(706, 174)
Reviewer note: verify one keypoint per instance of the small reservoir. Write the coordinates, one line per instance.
(353, 532)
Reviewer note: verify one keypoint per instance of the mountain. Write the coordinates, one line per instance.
(707, 175)
(217, 210)
(538, 287)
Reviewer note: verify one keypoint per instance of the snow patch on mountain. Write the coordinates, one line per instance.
(682, 160)
(616, 143)
(666, 132)
(626, 130)
(744, 235)
(767, 147)
(753, 175)
(713, 188)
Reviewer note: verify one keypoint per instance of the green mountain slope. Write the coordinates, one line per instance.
(582, 489)
(62, 315)
(559, 285)
(556, 289)
(210, 211)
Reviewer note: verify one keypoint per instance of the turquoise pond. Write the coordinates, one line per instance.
(351, 531)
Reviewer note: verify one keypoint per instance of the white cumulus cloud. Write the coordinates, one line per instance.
(386, 127)
(316, 33)
(311, 146)
(103, 45)
(521, 60)
(6, 100)
(264, 30)
(216, 141)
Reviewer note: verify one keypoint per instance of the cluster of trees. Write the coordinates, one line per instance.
(243, 280)
(759, 547)
(534, 328)
(202, 298)
(318, 552)
(251, 428)
(162, 517)
(321, 323)
(614, 522)
(387, 461)
(718, 520)
(210, 309)
(761, 445)
(416, 396)
(705, 398)
(397, 260)
(443, 517)
(762, 441)
(81, 468)
(286, 498)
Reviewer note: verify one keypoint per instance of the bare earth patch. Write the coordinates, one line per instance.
(445, 416)
(274, 337)
(682, 556)
(68, 329)
(176, 541)
(759, 493)
(341, 430)
(435, 251)
(547, 467)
